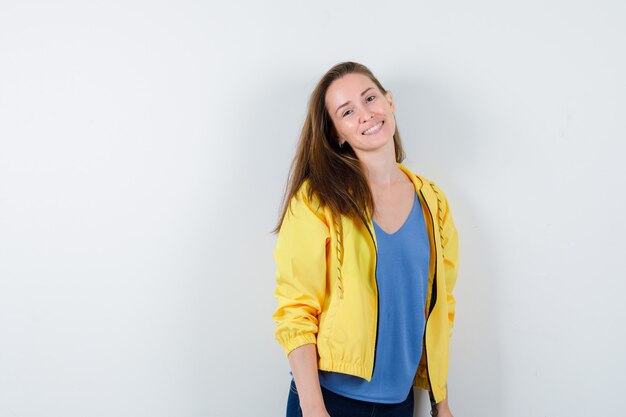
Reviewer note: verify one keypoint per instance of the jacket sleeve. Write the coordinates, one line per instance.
(451, 254)
(300, 256)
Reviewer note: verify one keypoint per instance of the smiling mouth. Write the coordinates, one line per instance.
(374, 129)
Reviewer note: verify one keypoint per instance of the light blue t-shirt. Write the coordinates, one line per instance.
(402, 278)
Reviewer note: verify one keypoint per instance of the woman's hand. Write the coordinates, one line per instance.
(443, 410)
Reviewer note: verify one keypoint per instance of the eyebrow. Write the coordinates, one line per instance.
(348, 102)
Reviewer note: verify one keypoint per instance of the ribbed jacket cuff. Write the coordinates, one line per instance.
(291, 343)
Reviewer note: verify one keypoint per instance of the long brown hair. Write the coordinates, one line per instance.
(335, 173)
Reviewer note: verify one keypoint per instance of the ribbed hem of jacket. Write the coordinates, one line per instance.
(344, 367)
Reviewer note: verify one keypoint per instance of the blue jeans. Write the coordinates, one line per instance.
(340, 406)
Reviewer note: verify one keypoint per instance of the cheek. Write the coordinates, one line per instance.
(351, 125)
(342, 128)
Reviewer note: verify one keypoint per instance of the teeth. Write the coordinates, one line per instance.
(373, 128)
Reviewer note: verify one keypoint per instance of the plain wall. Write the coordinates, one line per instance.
(144, 149)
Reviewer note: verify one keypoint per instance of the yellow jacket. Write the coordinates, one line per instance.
(327, 293)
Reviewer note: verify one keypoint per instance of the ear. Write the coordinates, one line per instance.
(390, 100)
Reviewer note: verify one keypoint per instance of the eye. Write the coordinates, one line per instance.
(370, 97)
(346, 113)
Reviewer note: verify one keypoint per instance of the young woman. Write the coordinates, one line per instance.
(366, 261)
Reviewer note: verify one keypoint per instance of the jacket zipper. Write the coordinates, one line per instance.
(433, 300)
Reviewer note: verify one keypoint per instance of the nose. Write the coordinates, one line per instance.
(365, 115)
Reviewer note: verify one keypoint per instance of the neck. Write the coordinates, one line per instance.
(381, 170)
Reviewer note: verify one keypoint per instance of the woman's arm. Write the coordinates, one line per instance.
(451, 256)
(303, 362)
(300, 255)
(301, 269)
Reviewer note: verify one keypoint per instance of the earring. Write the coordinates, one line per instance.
(341, 144)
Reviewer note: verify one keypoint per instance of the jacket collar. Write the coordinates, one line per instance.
(417, 180)
(424, 186)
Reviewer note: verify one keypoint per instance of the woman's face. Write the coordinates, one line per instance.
(361, 114)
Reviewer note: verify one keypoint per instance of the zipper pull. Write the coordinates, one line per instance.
(434, 412)
(433, 405)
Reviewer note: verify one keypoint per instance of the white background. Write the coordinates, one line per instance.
(144, 148)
